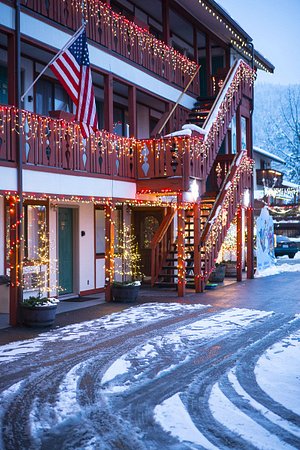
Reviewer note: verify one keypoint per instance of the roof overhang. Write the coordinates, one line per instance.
(219, 22)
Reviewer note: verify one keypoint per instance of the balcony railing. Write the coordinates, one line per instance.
(58, 145)
(121, 36)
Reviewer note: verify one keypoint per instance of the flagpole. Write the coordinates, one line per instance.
(178, 100)
(70, 41)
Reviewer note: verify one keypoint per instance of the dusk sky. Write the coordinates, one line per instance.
(274, 28)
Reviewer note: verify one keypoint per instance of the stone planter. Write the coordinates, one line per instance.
(218, 274)
(38, 316)
(125, 293)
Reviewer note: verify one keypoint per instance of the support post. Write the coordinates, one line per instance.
(11, 69)
(197, 252)
(13, 261)
(180, 245)
(132, 111)
(109, 250)
(250, 243)
(239, 244)
(166, 21)
(208, 66)
(108, 103)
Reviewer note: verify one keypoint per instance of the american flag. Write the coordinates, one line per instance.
(72, 68)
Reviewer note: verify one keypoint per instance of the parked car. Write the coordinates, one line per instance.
(284, 246)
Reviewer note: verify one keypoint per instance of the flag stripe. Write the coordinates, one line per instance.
(72, 69)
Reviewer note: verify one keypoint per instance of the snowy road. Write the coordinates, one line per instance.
(156, 376)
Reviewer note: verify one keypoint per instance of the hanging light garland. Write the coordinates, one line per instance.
(130, 34)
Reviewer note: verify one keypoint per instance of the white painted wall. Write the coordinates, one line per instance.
(27, 70)
(86, 247)
(2, 237)
(55, 183)
(8, 179)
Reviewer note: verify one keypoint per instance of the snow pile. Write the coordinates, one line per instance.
(279, 368)
(146, 313)
(276, 270)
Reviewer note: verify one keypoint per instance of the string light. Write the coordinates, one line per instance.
(132, 38)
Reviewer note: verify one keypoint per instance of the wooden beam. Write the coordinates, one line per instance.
(109, 250)
(239, 244)
(108, 103)
(208, 66)
(166, 21)
(132, 111)
(180, 246)
(11, 69)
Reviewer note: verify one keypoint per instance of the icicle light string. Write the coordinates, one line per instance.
(129, 33)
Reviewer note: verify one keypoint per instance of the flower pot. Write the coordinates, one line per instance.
(125, 293)
(38, 316)
(218, 274)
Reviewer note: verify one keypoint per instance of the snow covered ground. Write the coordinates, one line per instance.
(146, 313)
(218, 380)
(281, 267)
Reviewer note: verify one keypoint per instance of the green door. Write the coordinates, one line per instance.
(65, 250)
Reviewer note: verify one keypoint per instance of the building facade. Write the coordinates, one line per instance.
(179, 191)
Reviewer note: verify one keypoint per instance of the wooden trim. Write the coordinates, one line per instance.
(92, 291)
(132, 105)
(109, 250)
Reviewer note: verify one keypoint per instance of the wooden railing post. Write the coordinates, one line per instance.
(250, 242)
(197, 248)
(180, 246)
(239, 243)
(109, 250)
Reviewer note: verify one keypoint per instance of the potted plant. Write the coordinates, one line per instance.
(218, 274)
(128, 273)
(38, 309)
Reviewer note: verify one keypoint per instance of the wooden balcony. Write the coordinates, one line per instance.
(121, 36)
(56, 145)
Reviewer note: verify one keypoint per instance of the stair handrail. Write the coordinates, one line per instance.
(156, 240)
(222, 192)
(221, 97)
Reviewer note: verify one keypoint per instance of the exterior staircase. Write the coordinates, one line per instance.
(215, 212)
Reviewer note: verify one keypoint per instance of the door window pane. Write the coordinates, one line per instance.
(35, 231)
(100, 230)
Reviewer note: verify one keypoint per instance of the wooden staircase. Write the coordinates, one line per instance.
(214, 213)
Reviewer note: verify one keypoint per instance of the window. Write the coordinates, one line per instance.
(243, 133)
(100, 113)
(34, 230)
(121, 121)
(100, 231)
(51, 96)
(118, 229)
(3, 86)
(233, 136)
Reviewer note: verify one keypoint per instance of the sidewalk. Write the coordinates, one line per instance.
(279, 293)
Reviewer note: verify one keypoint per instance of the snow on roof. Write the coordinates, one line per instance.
(268, 154)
